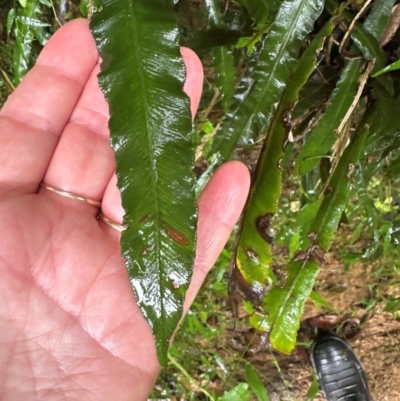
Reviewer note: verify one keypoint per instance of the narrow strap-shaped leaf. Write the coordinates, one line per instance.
(10, 20)
(31, 22)
(264, 83)
(391, 67)
(225, 69)
(222, 55)
(142, 78)
(378, 17)
(285, 305)
(251, 268)
(323, 136)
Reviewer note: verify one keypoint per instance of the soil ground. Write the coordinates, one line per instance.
(377, 344)
(360, 291)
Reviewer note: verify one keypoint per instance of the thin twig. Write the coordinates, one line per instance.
(351, 26)
(215, 99)
(345, 121)
(55, 13)
(7, 80)
(363, 81)
(328, 51)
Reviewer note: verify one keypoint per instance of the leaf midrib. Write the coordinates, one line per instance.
(153, 164)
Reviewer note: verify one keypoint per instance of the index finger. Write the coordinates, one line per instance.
(35, 115)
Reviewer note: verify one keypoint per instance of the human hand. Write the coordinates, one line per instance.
(69, 324)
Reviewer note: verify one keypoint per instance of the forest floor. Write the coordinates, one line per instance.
(359, 291)
(377, 344)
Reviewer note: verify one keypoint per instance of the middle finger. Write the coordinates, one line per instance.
(83, 161)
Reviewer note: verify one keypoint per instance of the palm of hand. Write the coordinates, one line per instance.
(69, 324)
(72, 307)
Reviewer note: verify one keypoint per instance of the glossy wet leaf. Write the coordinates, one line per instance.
(391, 67)
(142, 79)
(285, 304)
(265, 80)
(378, 18)
(323, 136)
(252, 272)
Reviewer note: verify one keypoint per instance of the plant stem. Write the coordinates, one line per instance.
(7, 80)
(190, 378)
